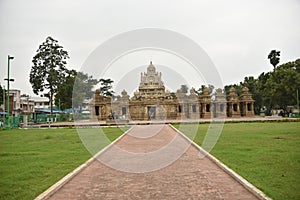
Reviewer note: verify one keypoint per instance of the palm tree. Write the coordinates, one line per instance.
(274, 57)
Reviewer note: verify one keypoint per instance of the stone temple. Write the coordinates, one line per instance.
(153, 102)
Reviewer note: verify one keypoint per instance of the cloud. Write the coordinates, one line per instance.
(236, 35)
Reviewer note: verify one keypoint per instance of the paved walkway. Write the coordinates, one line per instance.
(189, 177)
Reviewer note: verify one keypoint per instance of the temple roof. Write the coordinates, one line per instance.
(151, 83)
(151, 78)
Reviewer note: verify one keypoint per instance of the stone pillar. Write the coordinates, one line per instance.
(182, 105)
(220, 104)
(124, 104)
(194, 112)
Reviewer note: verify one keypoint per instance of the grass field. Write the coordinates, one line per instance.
(33, 160)
(266, 154)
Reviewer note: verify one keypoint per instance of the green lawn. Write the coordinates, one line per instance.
(33, 160)
(266, 154)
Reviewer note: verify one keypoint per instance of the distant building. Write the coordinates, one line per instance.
(24, 105)
(153, 102)
(27, 105)
(86, 104)
(41, 102)
(15, 103)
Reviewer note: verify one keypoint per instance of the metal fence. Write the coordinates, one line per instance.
(14, 122)
(31, 119)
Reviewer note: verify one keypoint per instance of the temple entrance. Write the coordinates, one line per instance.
(151, 112)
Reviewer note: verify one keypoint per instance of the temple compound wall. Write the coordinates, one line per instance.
(153, 102)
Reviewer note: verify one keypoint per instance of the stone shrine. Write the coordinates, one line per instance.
(153, 102)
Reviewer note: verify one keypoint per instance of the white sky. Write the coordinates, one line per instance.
(236, 35)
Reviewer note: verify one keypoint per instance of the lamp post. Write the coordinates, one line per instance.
(8, 101)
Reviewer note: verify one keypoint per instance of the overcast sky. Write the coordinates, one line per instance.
(236, 35)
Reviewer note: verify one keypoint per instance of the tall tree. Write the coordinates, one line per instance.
(63, 95)
(275, 89)
(286, 81)
(77, 87)
(106, 87)
(48, 71)
(274, 57)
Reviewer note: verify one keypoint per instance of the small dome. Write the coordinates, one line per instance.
(219, 91)
(232, 90)
(192, 91)
(245, 90)
(151, 68)
(205, 91)
(98, 91)
(124, 93)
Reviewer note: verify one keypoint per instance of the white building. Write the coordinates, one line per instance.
(41, 102)
(15, 94)
(23, 104)
(27, 105)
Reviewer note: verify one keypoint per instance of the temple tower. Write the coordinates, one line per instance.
(151, 101)
(247, 103)
(151, 85)
(102, 106)
(233, 104)
(205, 102)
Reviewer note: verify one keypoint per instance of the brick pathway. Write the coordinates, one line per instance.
(189, 177)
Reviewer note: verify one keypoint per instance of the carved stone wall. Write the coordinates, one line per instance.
(152, 102)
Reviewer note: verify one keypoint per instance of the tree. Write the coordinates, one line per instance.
(274, 57)
(210, 89)
(48, 71)
(286, 80)
(297, 65)
(76, 87)
(275, 89)
(106, 87)
(63, 95)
